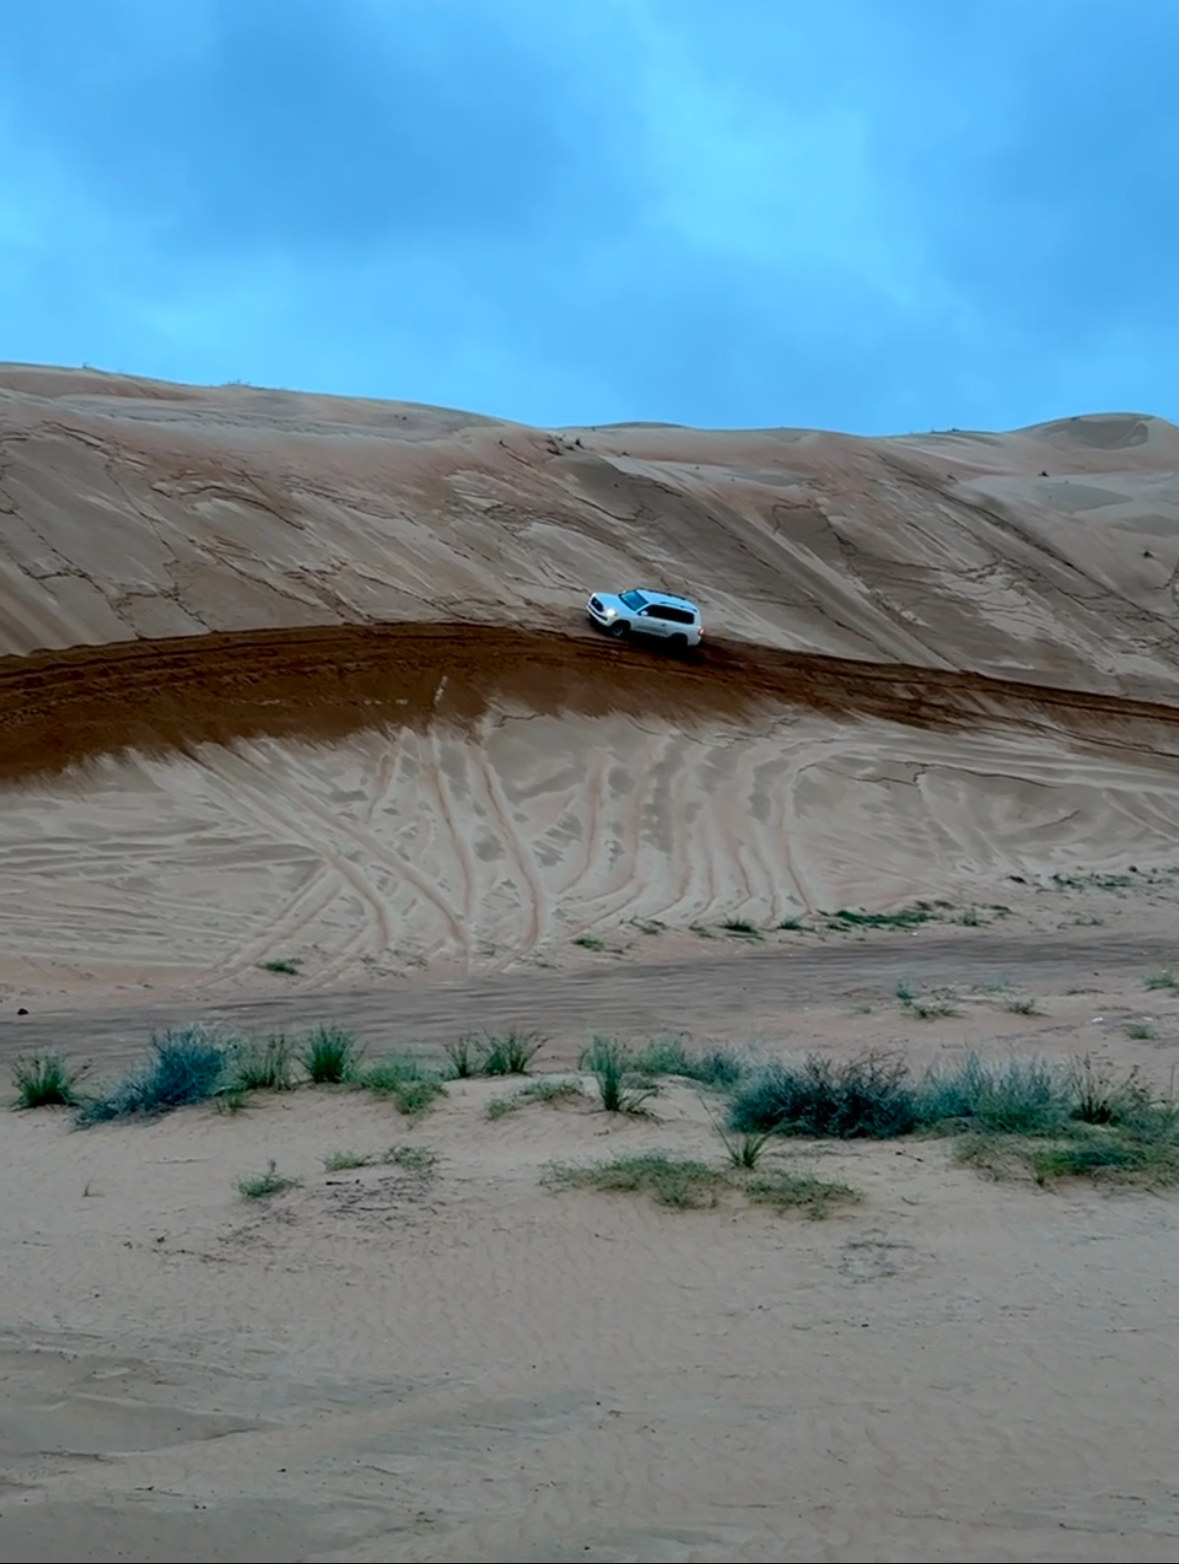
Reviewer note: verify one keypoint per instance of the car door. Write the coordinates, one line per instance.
(651, 620)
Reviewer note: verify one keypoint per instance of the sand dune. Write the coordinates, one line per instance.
(326, 662)
(139, 509)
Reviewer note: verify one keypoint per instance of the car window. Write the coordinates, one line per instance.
(634, 600)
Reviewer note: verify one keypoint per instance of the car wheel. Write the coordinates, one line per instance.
(678, 643)
(619, 629)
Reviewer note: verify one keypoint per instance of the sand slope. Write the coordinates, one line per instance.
(135, 508)
(197, 584)
(466, 851)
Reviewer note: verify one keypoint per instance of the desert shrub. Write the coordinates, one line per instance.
(549, 1089)
(330, 1056)
(503, 1053)
(903, 918)
(508, 1053)
(791, 1191)
(182, 1067)
(1012, 1097)
(671, 1180)
(1102, 1154)
(262, 1064)
(46, 1081)
(685, 1183)
(1112, 1158)
(345, 1161)
(621, 1087)
(1021, 1007)
(262, 1185)
(413, 1159)
(671, 1056)
(463, 1055)
(409, 1081)
(742, 928)
(870, 1095)
(1166, 978)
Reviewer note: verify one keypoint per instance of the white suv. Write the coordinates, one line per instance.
(640, 612)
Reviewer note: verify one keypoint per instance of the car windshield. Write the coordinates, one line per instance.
(634, 600)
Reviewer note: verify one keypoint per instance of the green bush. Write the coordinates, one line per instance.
(262, 1185)
(46, 1081)
(183, 1067)
(871, 1095)
(671, 1056)
(1012, 1097)
(509, 1053)
(262, 1064)
(330, 1056)
(407, 1080)
(612, 1065)
(671, 1180)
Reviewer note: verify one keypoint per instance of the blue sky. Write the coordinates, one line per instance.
(870, 215)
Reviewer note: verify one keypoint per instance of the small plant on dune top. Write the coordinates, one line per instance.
(904, 918)
(183, 1067)
(612, 1065)
(1140, 1032)
(284, 965)
(904, 992)
(262, 1185)
(589, 942)
(330, 1056)
(262, 1064)
(46, 1081)
(742, 928)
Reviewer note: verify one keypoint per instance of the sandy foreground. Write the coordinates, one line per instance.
(396, 1364)
(299, 722)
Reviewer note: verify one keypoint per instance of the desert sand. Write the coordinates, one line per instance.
(303, 680)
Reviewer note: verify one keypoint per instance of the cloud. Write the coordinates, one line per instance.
(856, 215)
